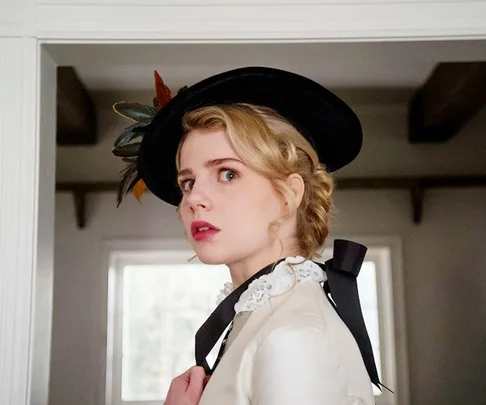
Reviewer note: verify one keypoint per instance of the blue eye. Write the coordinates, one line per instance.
(227, 175)
(186, 185)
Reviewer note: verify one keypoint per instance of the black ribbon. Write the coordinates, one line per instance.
(209, 333)
(341, 284)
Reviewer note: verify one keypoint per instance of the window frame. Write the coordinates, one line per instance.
(117, 253)
(384, 251)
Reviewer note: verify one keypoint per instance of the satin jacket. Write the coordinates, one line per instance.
(293, 349)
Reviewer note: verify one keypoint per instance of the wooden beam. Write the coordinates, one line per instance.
(415, 185)
(76, 117)
(452, 95)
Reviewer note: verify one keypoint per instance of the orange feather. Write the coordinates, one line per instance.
(139, 189)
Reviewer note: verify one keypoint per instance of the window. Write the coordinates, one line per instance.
(158, 300)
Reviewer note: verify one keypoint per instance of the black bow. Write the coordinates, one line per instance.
(341, 272)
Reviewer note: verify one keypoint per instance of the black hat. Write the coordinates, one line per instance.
(328, 123)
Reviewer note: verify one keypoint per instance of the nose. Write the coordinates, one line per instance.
(198, 200)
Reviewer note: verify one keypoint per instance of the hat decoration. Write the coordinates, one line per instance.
(127, 145)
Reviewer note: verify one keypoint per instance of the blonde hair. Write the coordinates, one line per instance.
(282, 151)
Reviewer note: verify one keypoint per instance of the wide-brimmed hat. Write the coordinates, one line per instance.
(328, 123)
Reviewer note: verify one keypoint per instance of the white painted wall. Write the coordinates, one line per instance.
(444, 257)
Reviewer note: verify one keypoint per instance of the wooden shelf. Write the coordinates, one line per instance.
(417, 186)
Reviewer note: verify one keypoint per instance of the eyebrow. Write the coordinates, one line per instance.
(210, 163)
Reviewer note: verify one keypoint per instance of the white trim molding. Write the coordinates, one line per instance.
(44, 234)
(27, 171)
(266, 20)
(18, 217)
(17, 18)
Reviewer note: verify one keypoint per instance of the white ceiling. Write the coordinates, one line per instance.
(336, 65)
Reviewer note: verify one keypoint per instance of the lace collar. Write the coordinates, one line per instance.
(280, 280)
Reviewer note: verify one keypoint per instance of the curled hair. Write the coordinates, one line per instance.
(282, 151)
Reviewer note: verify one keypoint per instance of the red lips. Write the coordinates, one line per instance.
(204, 233)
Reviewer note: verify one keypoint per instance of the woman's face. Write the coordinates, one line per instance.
(226, 206)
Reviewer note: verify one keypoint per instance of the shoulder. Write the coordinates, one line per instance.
(305, 304)
(305, 343)
(304, 319)
(308, 365)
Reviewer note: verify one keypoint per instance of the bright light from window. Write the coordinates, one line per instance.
(163, 307)
(369, 304)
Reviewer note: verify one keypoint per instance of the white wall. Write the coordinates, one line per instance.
(444, 257)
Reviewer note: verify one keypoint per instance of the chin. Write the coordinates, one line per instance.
(212, 253)
(208, 257)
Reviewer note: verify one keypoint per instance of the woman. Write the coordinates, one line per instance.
(253, 151)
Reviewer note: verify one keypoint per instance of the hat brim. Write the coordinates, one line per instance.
(328, 123)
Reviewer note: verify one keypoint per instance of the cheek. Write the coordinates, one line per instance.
(259, 206)
(185, 215)
(268, 202)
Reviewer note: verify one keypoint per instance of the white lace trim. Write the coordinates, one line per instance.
(277, 282)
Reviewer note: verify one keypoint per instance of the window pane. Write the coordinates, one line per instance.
(369, 304)
(163, 307)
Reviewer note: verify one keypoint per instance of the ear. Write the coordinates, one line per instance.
(297, 185)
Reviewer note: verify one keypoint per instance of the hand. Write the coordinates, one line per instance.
(187, 388)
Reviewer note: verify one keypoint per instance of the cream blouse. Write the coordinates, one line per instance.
(288, 346)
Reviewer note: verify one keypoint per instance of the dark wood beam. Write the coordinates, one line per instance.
(452, 95)
(415, 185)
(76, 117)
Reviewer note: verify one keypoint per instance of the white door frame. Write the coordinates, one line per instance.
(27, 117)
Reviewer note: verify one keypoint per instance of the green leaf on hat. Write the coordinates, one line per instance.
(130, 150)
(135, 111)
(128, 135)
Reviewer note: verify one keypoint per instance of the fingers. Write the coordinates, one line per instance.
(196, 379)
(185, 377)
(187, 388)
